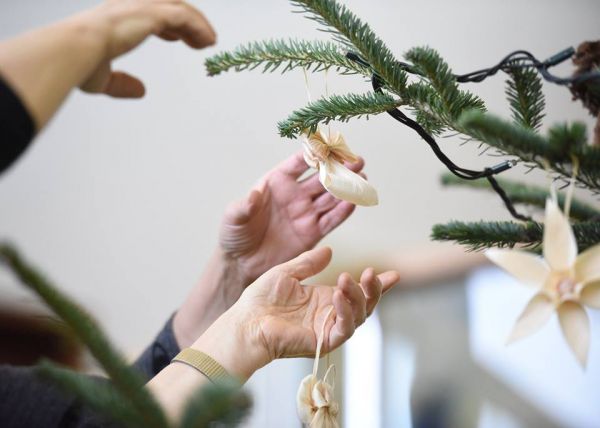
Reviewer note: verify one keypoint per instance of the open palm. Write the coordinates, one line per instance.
(287, 317)
(281, 217)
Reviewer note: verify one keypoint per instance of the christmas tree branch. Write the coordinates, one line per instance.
(520, 193)
(96, 393)
(348, 29)
(335, 107)
(223, 405)
(563, 144)
(479, 235)
(126, 380)
(285, 55)
(525, 96)
(445, 100)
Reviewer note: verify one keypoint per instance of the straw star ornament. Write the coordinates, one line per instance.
(565, 282)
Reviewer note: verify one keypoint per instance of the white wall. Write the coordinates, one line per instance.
(119, 201)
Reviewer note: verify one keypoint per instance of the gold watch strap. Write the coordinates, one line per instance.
(204, 364)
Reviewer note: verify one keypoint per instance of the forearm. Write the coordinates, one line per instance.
(219, 287)
(229, 343)
(43, 66)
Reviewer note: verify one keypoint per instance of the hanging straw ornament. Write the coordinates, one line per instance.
(327, 153)
(315, 399)
(566, 281)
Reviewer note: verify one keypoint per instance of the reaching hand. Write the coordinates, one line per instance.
(281, 217)
(127, 23)
(278, 317)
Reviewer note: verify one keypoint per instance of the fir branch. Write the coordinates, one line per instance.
(98, 394)
(335, 107)
(445, 99)
(479, 235)
(284, 55)
(223, 405)
(351, 31)
(525, 96)
(564, 142)
(126, 380)
(520, 193)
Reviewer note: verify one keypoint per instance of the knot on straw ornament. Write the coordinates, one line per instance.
(315, 399)
(327, 153)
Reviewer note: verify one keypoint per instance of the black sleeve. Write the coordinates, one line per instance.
(160, 353)
(16, 126)
(27, 401)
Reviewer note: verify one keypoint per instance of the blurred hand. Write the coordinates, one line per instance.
(277, 316)
(124, 24)
(280, 218)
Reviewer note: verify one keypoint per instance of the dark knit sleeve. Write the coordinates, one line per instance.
(26, 400)
(16, 126)
(160, 353)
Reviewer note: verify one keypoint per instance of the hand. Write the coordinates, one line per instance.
(281, 217)
(127, 23)
(278, 317)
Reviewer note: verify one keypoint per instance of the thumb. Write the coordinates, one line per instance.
(123, 85)
(240, 212)
(308, 263)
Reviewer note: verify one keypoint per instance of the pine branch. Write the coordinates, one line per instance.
(564, 142)
(336, 107)
(520, 193)
(96, 393)
(126, 380)
(445, 99)
(351, 31)
(479, 235)
(524, 93)
(284, 55)
(223, 405)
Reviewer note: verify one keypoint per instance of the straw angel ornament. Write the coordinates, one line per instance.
(327, 153)
(565, 282)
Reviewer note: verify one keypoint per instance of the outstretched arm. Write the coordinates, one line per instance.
(277, 317)
(43, 66)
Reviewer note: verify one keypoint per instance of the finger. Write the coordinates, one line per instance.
(308, 263)
(240, 212)
(355, 296)
(180, 20)
(335, 217)
(312, 187)
(356, 166)
(388, 280)
(344, 325)
(371, 287)
(324, 203)
(123, 85)
(294, 166)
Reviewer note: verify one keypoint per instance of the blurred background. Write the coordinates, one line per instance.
(119, 202)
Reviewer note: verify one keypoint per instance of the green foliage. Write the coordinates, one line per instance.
(127, 381)
(520, 193)
(480, 235)
(98, 395)
(525, 96)
(335, 107)
(563, 144)
(284, 55)
(444, 99)
(348, 29)
(223, 405)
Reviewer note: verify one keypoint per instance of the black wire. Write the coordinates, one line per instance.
(466, 174)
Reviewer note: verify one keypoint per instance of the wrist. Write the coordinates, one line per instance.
(230, 343)
(219, 287)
